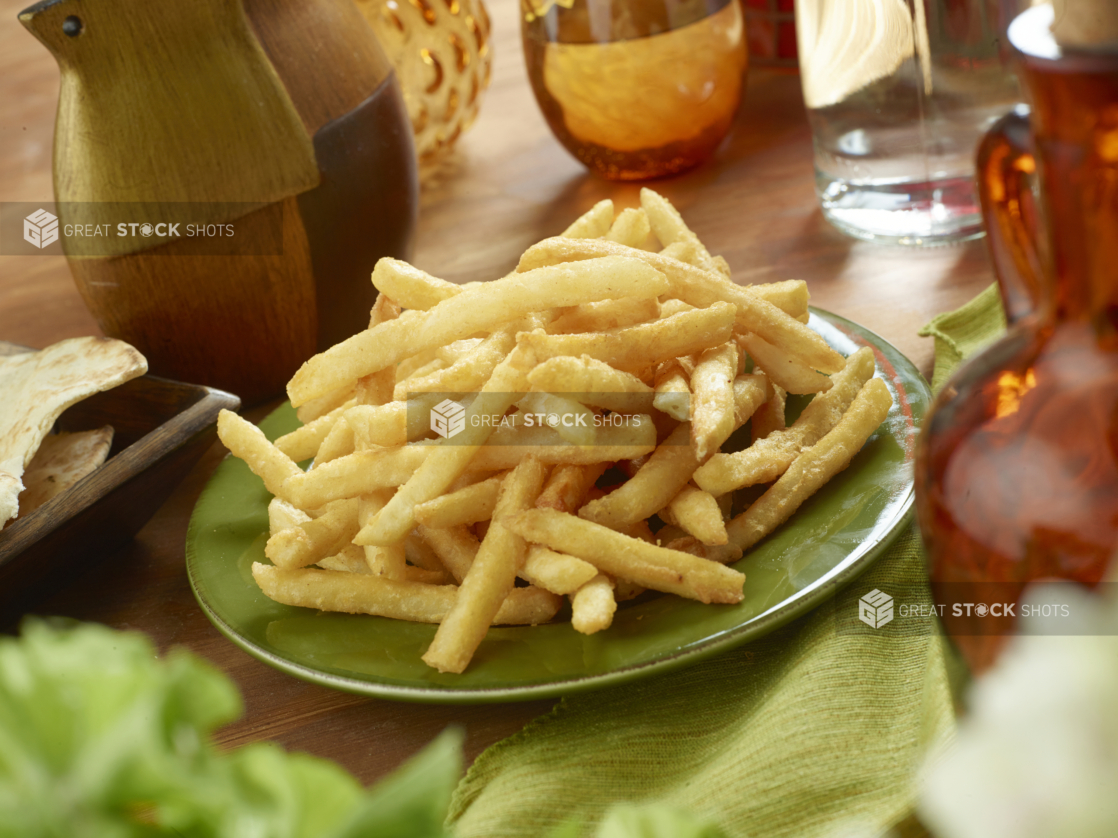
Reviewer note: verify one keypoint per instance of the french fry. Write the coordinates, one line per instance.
(356, 474)
(668, 469)
(594, 382)
(306, 543)
(376, 388)
(593, 605)
(446, 462)
(468, 373)
(712, 389)
(419, 553)
(631, 558)
(698, 513)
(474, 310)
(770, 416)
(247, 442)
(572, 421)
(381, 561)
(700, 288)
(593, 223)
(411, 287)
(669, 227)
(630, 227)
(455, 547)
(767, 459)
(303, 443)
(567, 486)
(350, 560)
(399, 599)
(454, 352)
(338, 443)
(325, 403)
(814, 467)
(673, 390)
(282, 515)
(491, 576)
(784, 370)
(555, 572)
(466, 506)
(607, 314)
(637, 347)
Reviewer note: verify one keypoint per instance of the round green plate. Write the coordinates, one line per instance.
(833, 537)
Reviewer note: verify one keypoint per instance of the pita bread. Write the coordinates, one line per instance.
(36, 387)
(61, 461)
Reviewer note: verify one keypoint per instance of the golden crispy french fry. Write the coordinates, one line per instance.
(504, 457)
(428, 577)
(385, 308)
(356, 474)
(447, 461)
(668, 469)
(466, 506)
(814, 467)
(572, 421)
(630, 558)
(672, 306)
(303, 443)
(282, 515)
(382, 561)
(316, 539)
(784, 370)
(637, 347)
(382, 425)
(376, 388)
(790, 296)
(491, 576)
(701, 288)
(456, 547)
(631, 227)
(712, 403)
(673, 390)
(555, 572)
(698, 513)
(338, 443)
(468, 373)
(685, 252)
(409, 286)
(457, 350)
(768, 458)
(322, 405)
(592, 382)
(417, 363)
(669, 227)
(593, 605)
(246, 441)
(567, 486)
(477, 309)
(400, 599)
(419, 553)
(607, 314)
(350, 560)
(592, 223)
(771, 415)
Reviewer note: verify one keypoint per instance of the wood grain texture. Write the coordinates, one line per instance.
(248, 320)
(508, 185)
(301, 35)
(161, 105)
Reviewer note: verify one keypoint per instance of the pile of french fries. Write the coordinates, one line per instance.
(627, 328)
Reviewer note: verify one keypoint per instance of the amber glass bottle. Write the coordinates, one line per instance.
(636, 88)
(1017, 468)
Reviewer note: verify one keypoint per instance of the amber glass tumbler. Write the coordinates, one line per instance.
(636, 88)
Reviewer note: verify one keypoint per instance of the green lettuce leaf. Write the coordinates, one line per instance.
(100, 738)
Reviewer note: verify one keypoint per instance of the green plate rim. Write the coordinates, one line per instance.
(868, 552)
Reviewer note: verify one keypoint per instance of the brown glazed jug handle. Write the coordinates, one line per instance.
(1005, 162)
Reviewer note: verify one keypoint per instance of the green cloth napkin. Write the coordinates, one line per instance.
(817, 729)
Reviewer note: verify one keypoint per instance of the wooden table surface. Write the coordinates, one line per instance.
(508, 185)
